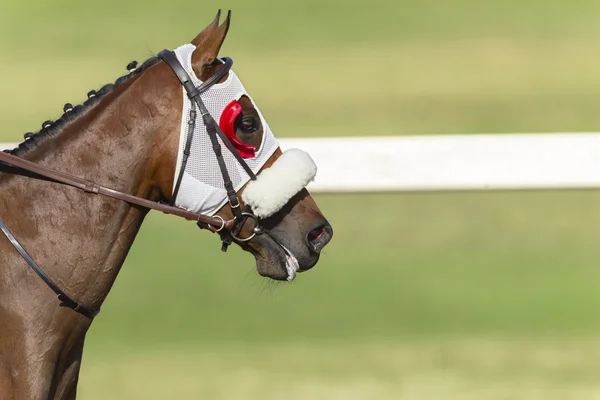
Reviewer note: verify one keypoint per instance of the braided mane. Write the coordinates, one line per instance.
(71, 113)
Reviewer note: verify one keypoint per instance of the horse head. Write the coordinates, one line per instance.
(282, 225)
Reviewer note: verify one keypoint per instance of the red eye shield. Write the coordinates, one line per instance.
(227, 125)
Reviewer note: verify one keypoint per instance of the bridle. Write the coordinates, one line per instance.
(229, 230)
(194, 94)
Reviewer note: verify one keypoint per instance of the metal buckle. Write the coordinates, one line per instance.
(256, 231)
(222, 223)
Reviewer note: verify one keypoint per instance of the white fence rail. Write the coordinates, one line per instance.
(440, 163)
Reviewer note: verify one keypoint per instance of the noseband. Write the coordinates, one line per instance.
(228, 230)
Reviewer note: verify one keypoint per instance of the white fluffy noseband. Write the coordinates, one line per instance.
(275, 186)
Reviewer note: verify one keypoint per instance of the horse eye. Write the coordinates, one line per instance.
(249, 125)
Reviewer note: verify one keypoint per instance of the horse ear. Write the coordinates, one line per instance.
(207, 31)
(208, 45)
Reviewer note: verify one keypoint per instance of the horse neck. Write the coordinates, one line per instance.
(80, 239)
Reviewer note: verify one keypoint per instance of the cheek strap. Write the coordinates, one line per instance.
(276, 185)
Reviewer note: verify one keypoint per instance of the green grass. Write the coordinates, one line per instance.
(420, 296)
(422, 265)
(455, 296)
(464, 369)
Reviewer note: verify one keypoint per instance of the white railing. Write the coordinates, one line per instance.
(441, 163)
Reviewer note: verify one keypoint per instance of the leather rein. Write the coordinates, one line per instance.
(228, 230)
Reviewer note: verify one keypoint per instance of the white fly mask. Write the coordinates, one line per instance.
(202, 189)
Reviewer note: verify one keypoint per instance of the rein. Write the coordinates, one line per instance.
(214, 224)
(228, 230)
(65, 300)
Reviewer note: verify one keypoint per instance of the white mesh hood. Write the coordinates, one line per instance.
(202, 188)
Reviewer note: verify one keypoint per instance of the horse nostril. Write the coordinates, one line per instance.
(319, 237)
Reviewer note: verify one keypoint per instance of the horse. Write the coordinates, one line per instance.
(141, 143)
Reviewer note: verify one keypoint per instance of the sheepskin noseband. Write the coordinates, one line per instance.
(202, 189)
(275, 186)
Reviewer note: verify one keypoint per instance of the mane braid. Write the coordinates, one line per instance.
(51, 129)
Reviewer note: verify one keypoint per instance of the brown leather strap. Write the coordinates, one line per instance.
(214, 224)
(65, 300)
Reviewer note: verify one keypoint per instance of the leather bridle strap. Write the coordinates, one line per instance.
(194, 93)
(186, 154)
(212, 128)
(214, 224)
(66, 301)
(171, 59)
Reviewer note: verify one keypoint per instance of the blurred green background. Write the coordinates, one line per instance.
(434, 296)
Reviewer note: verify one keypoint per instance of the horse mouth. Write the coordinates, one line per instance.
(282, 266)
(276, 261)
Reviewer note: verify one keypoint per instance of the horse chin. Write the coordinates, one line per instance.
(277, 262)
(272, 269)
